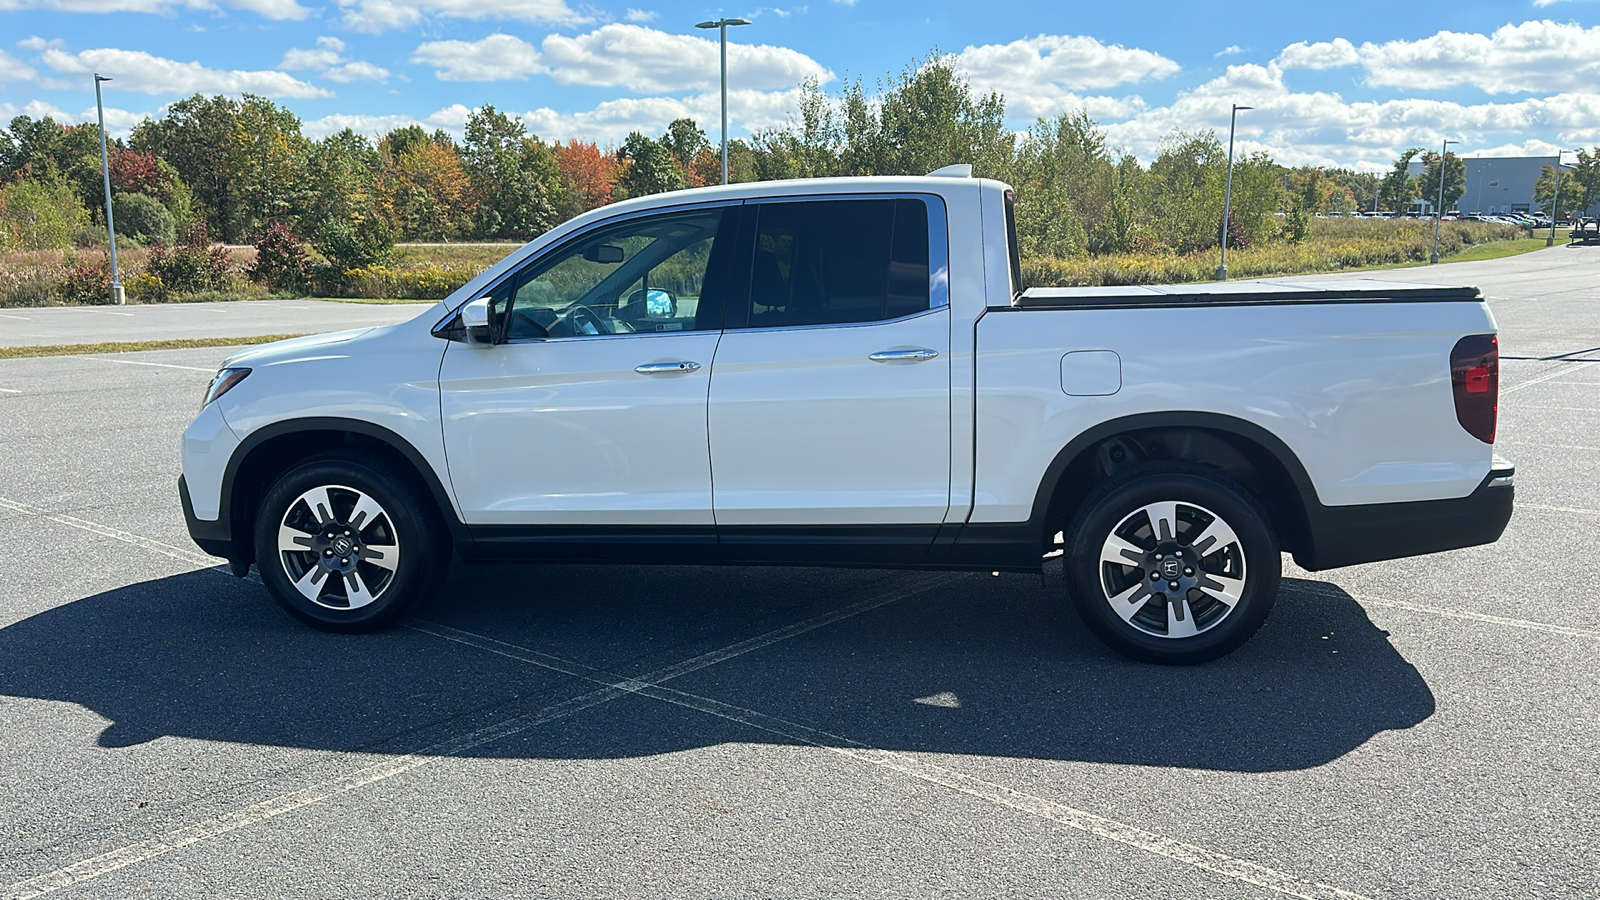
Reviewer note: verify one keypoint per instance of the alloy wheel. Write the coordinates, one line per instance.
(339, 547)
(1172, 569)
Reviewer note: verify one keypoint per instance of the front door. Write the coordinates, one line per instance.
(589, 410)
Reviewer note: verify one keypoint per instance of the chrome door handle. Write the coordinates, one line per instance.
(682, 365)
(895, 355)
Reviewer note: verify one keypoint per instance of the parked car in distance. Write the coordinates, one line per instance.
(850, 372)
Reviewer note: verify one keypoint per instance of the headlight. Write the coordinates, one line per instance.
(224, 382)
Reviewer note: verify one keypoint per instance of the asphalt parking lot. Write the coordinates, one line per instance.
(1418, 728)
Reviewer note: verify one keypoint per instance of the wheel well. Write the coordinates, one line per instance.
(266, 462)
(1231, 455)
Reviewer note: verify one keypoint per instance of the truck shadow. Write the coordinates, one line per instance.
(971, 665)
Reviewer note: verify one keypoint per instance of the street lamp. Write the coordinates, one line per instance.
(1227, 196)
(1555, 208)
(105, 173)
(1438, 212)
(722, 27)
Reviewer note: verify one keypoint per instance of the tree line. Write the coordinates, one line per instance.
(235, 170)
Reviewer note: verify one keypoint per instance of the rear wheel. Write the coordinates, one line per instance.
(347, 545)
(1172, 564)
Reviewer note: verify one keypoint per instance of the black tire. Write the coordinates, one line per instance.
(1205, 613)
(363, 593)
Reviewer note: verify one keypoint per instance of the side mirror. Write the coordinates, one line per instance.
(475, 320)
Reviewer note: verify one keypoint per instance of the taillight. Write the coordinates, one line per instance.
(1475, 382)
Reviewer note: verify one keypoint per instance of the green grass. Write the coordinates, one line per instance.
(139, 346)
(1474, 253)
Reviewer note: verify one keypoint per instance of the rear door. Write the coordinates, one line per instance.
(829, 410)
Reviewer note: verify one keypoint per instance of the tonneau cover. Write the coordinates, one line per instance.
(1240, 293)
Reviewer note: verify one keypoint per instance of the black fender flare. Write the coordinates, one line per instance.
(393, 441)
(1219, 422)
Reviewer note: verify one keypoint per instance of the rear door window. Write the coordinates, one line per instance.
(830, 262)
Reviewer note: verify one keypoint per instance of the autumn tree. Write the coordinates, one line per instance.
(1399, 188)
(1186, 187)
(685, 141)
(1571, 193)
(1587, 172)
(516, 177)
(650, 167)
(1063, 174)
(431, 195)
(1454, 175)
(588, 174)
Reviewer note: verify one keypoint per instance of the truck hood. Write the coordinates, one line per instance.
(294, 349)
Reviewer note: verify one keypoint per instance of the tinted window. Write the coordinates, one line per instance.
(643, 275)
(836, 261)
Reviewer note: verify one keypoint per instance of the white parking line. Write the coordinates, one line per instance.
(143, 543)
(135, 362)
(273, 807)
(18, 318)
(9, 391)
(1129, 835)
(650, 685)
(1468, 615)
(1571, 509)
(1557, 372)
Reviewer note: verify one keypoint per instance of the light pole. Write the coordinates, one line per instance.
(1227, 195)
(105, 174)
(1555, 208)
(1438, 212)
(722, 27)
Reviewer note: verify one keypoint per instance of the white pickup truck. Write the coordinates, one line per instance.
(849, 372)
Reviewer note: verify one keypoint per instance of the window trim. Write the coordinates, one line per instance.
(938, 254)
(534, 259)
(603, 226)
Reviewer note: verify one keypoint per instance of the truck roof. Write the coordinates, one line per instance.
(1241, 293)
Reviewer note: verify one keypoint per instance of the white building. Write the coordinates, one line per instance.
(1496, 185)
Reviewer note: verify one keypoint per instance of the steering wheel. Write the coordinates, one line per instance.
(580, 315)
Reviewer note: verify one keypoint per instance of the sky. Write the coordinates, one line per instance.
(1350, 84)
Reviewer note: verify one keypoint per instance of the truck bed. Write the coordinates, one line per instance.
(1239, 293)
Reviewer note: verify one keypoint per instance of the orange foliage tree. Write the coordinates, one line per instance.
(589, 174)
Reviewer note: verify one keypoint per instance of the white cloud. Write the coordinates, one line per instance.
(1321, 128)
(39, 43)
(135, 70)
(1549, 2)
(327, 60)
(1321, 55)
(1531, 57)
(372, 126)
(383, 15)
(1041, 76)
(498, 57)
(272, 9)
(611, 121)
(119, 122)
(647, 60)
(640, 15)
(1231, 50)
(14, 70)
(452, 118)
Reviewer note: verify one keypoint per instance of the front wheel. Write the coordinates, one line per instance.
(347, 545)
(1172, 565)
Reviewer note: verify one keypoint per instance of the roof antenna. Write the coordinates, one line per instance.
(961, 170)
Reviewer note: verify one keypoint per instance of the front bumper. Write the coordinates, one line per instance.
(1372, 532)
(215, 538)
